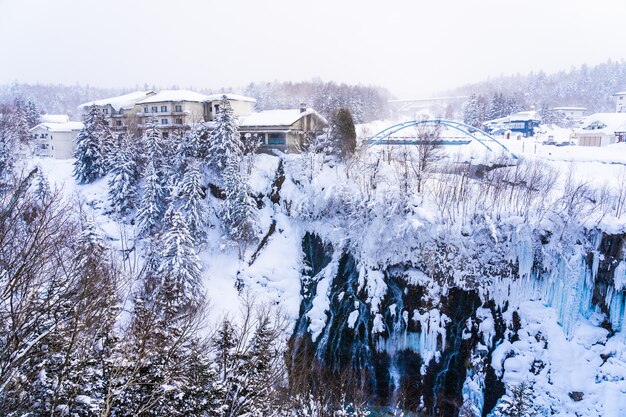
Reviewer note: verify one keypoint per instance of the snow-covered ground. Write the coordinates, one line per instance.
(588, 360)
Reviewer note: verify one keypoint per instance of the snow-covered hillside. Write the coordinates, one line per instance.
(498, 271)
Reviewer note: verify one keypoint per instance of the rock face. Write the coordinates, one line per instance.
(395, 336)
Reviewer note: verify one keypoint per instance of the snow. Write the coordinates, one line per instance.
(611, 122)
(120, 102)
(275, 117)
(230, 96)
(59, 127)
(174, 95)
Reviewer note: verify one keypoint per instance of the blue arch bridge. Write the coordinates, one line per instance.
(388, 136)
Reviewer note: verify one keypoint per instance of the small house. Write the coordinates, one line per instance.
(602, 129)
(56, 140)
(285, 130)
(524, 122)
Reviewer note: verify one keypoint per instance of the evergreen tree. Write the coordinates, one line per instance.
(239, 209)
(22, 130)
(8, 143)
(518, 403)
(123, 180)
(225, 142)
(153, 202)
(343, 133)
(475, 111)
(179, 268)
(90, 161)
(33, 116)
(191, 199)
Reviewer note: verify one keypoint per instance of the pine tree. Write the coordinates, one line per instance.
(123, 180)
(90, 161)
(343, 133)
(22, 129)
(8, 143)
(518, 403)
(153, 202)
(179, 268)
(239, 209)
(33, 116)
(191, 199)
(42, 187)
(225, 142)
(474, 112)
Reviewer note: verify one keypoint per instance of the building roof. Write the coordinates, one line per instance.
(276, 117)
(60, 127)
(235, 97)
(621, 93)
(521, 116)
(120, 102)
(174, 96)
(605, 123)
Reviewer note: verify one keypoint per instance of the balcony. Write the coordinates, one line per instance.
(159, 114)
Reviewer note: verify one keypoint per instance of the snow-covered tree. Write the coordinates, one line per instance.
(179, 268)
(90, 161)
(8, 143)
(191, 200)
(518, 402)
(33, 116)
(475, 111)
(123, 180)
(153, 202)
(239, 208)
(22, 129)
(225, 142)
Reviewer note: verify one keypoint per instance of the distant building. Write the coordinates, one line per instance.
(173, 109)
(55, 118)
(602, 129)
(524, 122)
(285, 130)
(56, 140)
(620, 102)
(574, 114)
(119, 111)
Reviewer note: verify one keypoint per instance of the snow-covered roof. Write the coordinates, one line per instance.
(120, 102)
(55, 118)
(59, 127)
(234, 97)
(521, 116)
(621, 93)
(607, 123)
(176, 96)
(276, 117)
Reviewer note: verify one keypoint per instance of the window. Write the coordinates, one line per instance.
(165, 135)
(178, 121)
(163, 109)
(154, 109)
(163, 121)
(178, 108)
(118, 123)
(217, 108)
(105, 111)
(145, 110)
(276, 139)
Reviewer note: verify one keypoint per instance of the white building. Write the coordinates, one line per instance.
(56, 140)
(120, 110)
(602, 129)
(620, 102)
(574, 114)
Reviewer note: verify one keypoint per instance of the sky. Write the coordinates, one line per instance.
(414, 48)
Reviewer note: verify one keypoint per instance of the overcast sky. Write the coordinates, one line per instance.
(414, 48)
